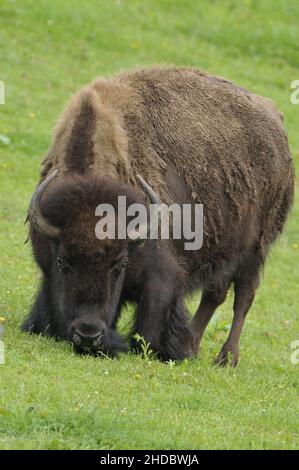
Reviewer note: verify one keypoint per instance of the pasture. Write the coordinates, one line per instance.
(51, 398)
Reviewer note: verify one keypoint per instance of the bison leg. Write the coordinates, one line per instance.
(210, 300)
(38, 321)
(244, 296)
(163, 323)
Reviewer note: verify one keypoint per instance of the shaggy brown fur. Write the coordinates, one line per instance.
(193, 138)
(225, 143)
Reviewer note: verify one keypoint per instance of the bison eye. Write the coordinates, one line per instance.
(123, 265)
(63, 267)
(119, 267)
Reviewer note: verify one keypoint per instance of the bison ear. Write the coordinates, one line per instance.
(41, 250)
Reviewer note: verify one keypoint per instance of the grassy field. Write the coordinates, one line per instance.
(52, 399)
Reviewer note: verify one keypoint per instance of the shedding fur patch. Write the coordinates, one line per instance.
(89, 139)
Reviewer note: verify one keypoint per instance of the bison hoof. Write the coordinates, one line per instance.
(228, 355)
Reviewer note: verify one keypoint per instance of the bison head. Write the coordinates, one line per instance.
(84, 275)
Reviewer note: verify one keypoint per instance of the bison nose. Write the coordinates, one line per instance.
(88, 341)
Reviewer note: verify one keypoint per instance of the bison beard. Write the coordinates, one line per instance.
(195, 139)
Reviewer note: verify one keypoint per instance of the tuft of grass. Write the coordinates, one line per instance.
(51, 398)
(145, 348)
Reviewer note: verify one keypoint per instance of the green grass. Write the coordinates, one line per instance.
(52, 399)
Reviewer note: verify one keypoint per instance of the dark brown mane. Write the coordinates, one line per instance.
(70, 204)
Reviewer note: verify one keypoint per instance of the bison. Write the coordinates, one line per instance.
(193, 139)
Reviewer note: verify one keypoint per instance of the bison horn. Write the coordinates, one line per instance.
(38, 221)
(153, 200)
(148, 190)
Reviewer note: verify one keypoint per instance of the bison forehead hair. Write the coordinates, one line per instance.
(70, 205)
